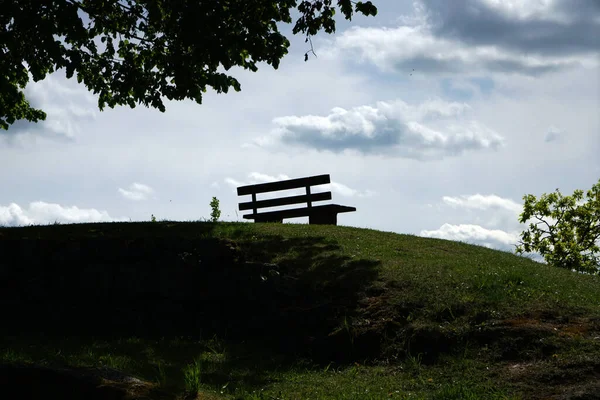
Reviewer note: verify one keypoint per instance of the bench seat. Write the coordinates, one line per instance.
(325, 214)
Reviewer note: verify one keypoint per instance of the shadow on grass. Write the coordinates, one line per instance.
(270, 299)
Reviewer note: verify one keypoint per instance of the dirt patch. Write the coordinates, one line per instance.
(541, 381)
(34, 382)
(573, 327)
(555, 378)
(580, 391)
(526, 337)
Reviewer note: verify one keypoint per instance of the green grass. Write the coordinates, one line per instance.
(328, 312)
(192, 375)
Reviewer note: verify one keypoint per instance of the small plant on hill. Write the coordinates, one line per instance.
(215, 211)
(565, 229)
(192, 376)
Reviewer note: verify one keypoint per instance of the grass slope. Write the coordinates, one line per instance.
(320, 312)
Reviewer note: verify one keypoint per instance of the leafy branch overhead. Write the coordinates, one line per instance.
(134, 52)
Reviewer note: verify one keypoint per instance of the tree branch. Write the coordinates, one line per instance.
(312, 50)
(127, 34)
(141, 16)
(543, 221)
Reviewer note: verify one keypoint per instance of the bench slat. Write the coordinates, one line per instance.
(285, 200)
(300, 212)
(284, 185)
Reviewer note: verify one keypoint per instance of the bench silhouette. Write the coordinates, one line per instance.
(321, 214)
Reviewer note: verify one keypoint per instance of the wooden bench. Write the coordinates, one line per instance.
(322, 214)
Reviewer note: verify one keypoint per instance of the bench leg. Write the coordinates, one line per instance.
(323, 219)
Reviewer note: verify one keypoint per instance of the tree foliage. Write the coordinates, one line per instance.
(132, 52)
(565, 229)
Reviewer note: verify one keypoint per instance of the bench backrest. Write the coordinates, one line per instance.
(308, 198)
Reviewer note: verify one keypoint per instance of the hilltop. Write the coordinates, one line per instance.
(286, 311)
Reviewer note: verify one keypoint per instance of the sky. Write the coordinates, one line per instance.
(433, 118)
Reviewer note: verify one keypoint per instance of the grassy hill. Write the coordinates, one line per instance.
(280, 311)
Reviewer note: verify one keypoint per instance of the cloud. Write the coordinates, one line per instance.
(334, 187)
(434, 129)
(475, 234)
(348, 191)
(483, 202)
(67, 104)
(490, 220)
(463, 88)
(137, 192)
(448, 38)
(255, 178)
(13, 215)
(470, 233)
(490, 211)
(548, 28)
(40, 212)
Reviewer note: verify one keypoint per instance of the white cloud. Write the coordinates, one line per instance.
(461, 37)
(334, 187)
(137, 192)
(13, 215)
(233, 183)
(434, 129)
(524, 9)
(67, 104)
(255, 178)
(405, 48)
(462, 85)
(482, 213)
(483, 202)
(40, 212)
(475, 234)
(348, 191)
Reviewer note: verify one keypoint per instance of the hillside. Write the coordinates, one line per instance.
(281, 311)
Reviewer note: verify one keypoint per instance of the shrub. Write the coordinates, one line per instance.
(216, 212)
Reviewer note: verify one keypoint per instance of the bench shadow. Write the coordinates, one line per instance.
(270, 300)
